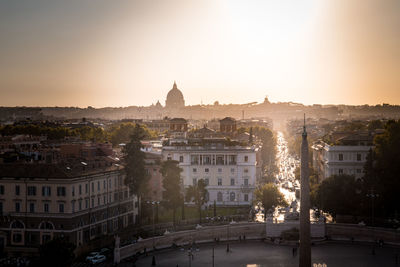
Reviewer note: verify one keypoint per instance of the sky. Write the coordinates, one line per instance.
(105, 53)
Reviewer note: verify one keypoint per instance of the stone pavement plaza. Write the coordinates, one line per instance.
(261, 254)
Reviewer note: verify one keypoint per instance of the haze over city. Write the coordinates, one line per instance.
(123, 53)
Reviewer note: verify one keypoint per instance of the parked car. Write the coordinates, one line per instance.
(98, 259)
(105, 251)
(92, 255)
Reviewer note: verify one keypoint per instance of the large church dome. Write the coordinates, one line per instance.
(175, 98)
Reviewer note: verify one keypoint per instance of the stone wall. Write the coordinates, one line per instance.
(203, 234)
(259, 231)
(362, 233)
(276, 229)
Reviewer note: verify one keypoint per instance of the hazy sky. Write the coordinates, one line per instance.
(121, 53)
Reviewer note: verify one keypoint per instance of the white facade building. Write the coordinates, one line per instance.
(331, 160)
(229, 171)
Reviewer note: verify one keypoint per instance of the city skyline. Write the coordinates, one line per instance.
(128, 53)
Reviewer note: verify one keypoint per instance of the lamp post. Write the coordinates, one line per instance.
(373, 195)
(153, 203)
(227, 235)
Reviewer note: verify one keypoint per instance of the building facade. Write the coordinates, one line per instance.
(79, 202)
(331, 160)
(228, 171)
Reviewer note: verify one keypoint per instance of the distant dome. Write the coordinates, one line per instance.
(175, 98)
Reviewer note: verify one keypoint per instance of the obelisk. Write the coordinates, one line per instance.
(305, 238)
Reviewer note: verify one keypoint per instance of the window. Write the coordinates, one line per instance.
(17, 238)
(86, 188)
(104, 184)
(61, 207)
(207, 170)
(17, 190)
(1, 189)
(358, 170)
(232, 160)
(98, 185)
(232, 196)
(219, 197)
(73, 206)
(194, 181)
(31, 190)
(92, 187)
(232, 170)
(180, 158)
(73, 191)
(104, 200)
(341, 157)
(61, 191)
(194, 159)
(340, 171)
(80, 189)
(194, 170)
(31, 207)
(206, 160)
(46, 207)
(246, 197)
(1, 208)
(17, 207)
(219, 181)
(246, 158)
(358, 157)
(246, 181)
(232, 181)
(80, 204)
(219, 170)
(86, 203)
(109, 184)
(220, 160)
(92, 202)
(206, 181)
(46, 191)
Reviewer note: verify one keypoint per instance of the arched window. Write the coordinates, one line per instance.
(219, 197)
(232, 196)
(17, 225)
(46, 226)
(17, 232)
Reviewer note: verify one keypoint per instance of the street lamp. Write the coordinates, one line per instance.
(373, 195)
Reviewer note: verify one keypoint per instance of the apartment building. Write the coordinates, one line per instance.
(228, 168)
(78, 200)
(344, 155)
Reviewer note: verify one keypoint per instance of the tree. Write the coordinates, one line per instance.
(269, 196)
(198, 194)
(136, 176)
(338, 195)
(172, 195)
(382, 170)
(121, 132)
(57, 252)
